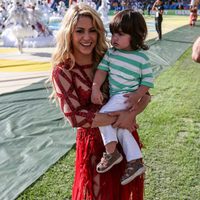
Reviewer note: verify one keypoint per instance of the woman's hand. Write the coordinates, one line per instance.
(132, 100)
(140, 105)
(134, 97)
(125, 120)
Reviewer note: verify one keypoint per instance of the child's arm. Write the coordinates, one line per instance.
(99, 78)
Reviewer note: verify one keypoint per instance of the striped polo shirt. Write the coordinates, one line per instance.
(127, 70)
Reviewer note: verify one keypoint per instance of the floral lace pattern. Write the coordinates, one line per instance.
(73, 88)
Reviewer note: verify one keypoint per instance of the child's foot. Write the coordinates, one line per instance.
(108, 161)
(133, 169)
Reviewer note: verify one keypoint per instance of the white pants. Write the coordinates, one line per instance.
(110, 134)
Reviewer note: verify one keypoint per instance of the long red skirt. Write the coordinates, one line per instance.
(90, 185)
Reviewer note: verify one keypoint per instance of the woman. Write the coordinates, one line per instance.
(193, 15)
(159, 8)
(81, 43)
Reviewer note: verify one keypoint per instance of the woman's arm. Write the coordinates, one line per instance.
(103, 119)
(142, 104)
(77, 115)
(154, 6)
(122, 119)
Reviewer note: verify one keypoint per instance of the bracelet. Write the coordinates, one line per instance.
(94, 84)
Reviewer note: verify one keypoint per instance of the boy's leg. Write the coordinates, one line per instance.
(133, 154)
(130, 146)
(111, 157)
(109, 136)
(156, 25)
(110, 147)
(160, 28)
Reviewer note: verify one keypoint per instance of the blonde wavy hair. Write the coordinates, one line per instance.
(63, 51)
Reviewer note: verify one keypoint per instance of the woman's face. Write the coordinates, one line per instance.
(84, 38)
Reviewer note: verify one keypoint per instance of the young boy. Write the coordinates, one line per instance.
(129, 74)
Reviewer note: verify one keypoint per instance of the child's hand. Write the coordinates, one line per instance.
(96, 97)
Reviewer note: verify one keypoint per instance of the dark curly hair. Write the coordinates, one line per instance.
(133, 23)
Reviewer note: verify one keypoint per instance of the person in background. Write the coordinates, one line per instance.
(128, 70)
(193, 15)
(159, 9)
(80, 45)
(196, 50)
(149, 7)
(19, 23)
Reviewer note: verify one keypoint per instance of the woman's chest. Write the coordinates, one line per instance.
(83, 86)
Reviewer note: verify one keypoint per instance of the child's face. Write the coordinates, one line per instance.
(121, 41)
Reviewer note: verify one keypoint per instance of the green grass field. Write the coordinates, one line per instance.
(169, 129)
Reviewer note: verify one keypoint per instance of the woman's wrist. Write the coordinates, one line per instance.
(133, 113)
(95, 86)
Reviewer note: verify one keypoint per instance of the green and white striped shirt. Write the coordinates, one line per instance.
(127, 70)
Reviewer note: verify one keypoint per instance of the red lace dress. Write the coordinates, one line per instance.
(73, 89)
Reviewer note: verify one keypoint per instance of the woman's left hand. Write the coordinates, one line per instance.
(132, 100)
(125, 120)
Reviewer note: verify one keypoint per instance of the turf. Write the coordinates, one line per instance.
(169, 130)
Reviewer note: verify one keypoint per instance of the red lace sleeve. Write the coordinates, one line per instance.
(77, 114)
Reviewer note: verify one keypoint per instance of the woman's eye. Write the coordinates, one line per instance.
(93, 31)
(79, 31)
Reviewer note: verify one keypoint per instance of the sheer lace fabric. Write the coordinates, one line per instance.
(73, 89)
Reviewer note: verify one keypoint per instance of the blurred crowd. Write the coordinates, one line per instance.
(145, 4)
